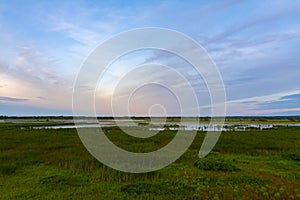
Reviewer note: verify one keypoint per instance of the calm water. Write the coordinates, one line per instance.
(174, 126)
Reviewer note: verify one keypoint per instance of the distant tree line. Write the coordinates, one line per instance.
(172, 118)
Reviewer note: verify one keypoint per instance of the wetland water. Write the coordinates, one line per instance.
(173, 126)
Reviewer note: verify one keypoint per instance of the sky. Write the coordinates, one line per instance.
(255, 45)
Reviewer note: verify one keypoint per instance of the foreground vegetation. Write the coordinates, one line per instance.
(53, 164)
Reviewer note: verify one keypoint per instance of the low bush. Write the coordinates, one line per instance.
(7, 169)
(215, 164)
(162, 188)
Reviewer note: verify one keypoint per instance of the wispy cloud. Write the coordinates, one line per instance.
(76, 32)
(32, 66)
(42, 98)
(291, 97)
(276, 12)
(11, 99)
(275, 111)
(266, 104)
(267, 98)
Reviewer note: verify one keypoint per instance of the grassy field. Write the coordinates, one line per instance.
(53, 164)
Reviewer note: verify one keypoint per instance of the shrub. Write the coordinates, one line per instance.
(295, 156)
(162, 188)
(7, 169)
(247, 180)
(216, 164)
(59, 180)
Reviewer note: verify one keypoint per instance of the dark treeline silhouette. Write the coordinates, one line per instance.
(251, 118)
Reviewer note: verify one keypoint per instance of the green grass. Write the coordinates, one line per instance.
(53, 164)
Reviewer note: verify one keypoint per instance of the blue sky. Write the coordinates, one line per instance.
(255, 45)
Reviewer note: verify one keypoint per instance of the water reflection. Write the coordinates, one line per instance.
(175, 126)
